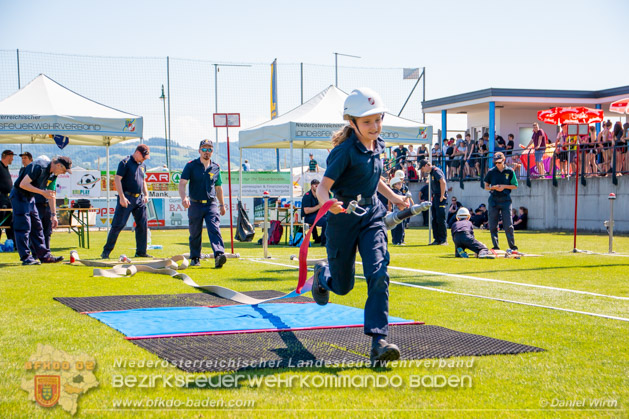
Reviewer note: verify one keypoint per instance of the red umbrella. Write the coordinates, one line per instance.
(620, 106)
(570, 115)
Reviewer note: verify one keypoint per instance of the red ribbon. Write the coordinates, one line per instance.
(303, 249)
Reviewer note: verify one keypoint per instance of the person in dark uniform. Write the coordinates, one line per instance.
(132, 199)
(309, 207)
(353, 172)
(26, 219)
(45, 207)
(399, 231)
(205, 203)
(439, 191)
(5, 189)
(463, 237)
(500, 181)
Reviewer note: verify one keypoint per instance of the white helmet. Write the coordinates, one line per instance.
(462, 213)
(362, 102)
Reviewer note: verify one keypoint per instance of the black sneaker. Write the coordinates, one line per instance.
(195, 262)
(143, 255)
(319, 294)
(434, 243)
(220, 260)
(495, 248)
(104, 255)
(31, 262)
(442, 244)
(52, 259)
(383, 352)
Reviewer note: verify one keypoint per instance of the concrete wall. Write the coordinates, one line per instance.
(552, 208)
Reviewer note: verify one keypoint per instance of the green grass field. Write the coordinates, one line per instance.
(584, 371)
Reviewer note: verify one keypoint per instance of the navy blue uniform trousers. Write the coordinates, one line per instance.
(439, 228)
(27, 227)
(466, 240)
(5, 203)
(197, 213)
(121, 216)
(344, 234)
(501, 206)
(45, 215)
(323, 223)
(398, 233)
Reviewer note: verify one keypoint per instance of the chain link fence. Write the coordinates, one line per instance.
(195, 89)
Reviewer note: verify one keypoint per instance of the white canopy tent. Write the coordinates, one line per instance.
(311, 125)
(44, 108)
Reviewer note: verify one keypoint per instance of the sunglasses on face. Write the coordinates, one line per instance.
(207, 150)
(499, 162)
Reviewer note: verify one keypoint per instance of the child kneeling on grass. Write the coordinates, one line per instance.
(463, 237)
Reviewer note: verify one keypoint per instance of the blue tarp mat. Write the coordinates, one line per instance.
(183, 320)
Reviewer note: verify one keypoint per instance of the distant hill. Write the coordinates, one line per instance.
(94, 157)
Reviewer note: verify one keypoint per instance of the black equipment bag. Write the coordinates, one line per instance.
(245, 230)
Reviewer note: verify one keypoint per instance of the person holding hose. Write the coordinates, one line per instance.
(353, 173)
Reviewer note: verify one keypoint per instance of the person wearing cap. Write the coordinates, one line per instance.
(353, 173)
(6, 184)
(500, 181)
(313, 166)
(309, 208)
(132, 199)
(397, 233)
(439, 199)
(45, 208)
(463, 237)
(205, 202)
(36, 179)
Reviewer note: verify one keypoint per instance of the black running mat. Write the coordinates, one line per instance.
(131, 302)
(317, 347)
(243, 351)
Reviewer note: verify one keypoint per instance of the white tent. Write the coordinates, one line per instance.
(44, 108)
(312, 124)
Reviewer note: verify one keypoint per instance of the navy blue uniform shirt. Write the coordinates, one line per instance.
(308, 201)
(462, 226)
(38, 174)
(49, 183)
(202, 181)
(435, 176)
(354, 169)
(496, 177)
(132, 174)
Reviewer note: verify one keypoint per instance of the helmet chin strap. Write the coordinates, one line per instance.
(356, 125)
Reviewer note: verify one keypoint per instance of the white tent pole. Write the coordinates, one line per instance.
(303, 181)
(292, 201)
(240, 177)
(107, 182)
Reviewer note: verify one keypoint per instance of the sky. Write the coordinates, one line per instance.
(464, 45)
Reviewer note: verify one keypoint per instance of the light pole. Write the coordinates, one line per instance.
(163, 99)
(336, 66)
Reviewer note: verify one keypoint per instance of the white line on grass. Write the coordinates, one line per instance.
(474, 295)
(476, 278)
